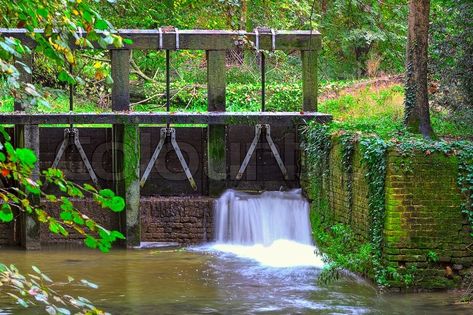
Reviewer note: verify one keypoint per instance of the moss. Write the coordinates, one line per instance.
(421, 204)
(131, 179)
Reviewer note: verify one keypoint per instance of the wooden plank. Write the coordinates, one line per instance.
(216, 134)
(202, 39)
(209, 118)
(309, 80)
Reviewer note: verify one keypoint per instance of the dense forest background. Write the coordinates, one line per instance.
(361, 39)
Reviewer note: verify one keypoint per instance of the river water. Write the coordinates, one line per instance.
(210, 282)
(263, 262)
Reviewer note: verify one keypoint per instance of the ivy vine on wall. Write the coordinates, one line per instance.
(374, 156)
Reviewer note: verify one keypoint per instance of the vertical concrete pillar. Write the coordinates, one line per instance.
(216, 143)
(125, 150)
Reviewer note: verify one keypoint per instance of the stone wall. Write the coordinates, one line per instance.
(182, 220)
(7, 237)
(423, 216)
(104, 217)
(185, 220)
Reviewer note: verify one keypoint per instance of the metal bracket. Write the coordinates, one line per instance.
(264, 30)
(73, 134)
(154, 157)
(274, 150)
(164, 133)
(160, 30)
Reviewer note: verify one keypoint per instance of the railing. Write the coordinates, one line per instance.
(126, 123)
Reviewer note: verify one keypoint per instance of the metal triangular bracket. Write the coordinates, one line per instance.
(252, 148)
(72, 134)
(164, 132)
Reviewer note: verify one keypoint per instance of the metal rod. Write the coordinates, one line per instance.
(71, 95)
(263, 81)
(168, 83)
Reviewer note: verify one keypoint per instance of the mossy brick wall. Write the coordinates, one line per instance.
(423, 215)
(348, 193)
(422, 212)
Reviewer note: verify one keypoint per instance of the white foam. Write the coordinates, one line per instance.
(280, 254)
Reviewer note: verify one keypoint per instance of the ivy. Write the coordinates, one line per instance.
(347, 141)
(318, 144)
(374, 158)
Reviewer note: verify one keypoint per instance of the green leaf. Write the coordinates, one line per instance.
(90, 242)
(66, 204)
(90, 188)
(54, 226)
(78, 219)
(116, 234)
(101, 25)
(128, 41)
(2, 157)
(36, 269)
(6, 215)
(66, 215)
(26, 156)
(117, 204)
(107, 193)
(66, 77)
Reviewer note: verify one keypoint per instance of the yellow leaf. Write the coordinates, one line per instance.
(69, 56)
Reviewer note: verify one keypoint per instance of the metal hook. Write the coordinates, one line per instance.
(257, 38)
(177, 37)
(160, 30)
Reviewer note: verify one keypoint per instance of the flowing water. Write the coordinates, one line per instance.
(269, 269)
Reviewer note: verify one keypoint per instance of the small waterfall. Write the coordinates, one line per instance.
(272, 228)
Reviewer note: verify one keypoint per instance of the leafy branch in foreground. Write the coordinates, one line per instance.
(19, 187)
(37, 289)
(65, 26)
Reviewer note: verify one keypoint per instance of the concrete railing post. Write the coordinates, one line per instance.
(125, 150)
(216, 142)
(309, 80)
(27, 136)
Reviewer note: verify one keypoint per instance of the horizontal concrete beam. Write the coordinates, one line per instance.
(209, 118)
(202, 39)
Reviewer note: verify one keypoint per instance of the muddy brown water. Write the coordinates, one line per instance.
(200, 282)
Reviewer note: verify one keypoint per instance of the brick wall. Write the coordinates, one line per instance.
(351, 210)
(422, 214)
(104, 217)
(186, 220)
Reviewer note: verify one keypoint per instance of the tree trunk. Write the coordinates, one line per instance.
(243, 14)
(416, 115)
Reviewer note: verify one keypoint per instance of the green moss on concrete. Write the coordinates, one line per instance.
(131, 179)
